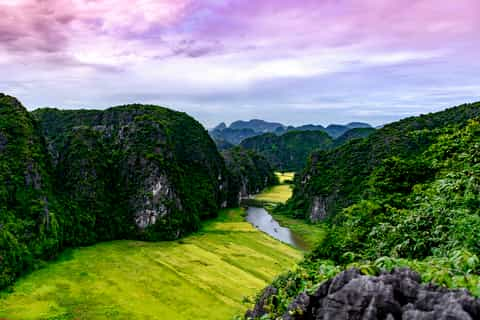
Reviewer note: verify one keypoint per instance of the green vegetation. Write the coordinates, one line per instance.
(248, 173)
(288, 152)
(203, 276)
(408, 195)
(312, 234)
(340, 177)
(30, 227)
(74, 178)
(285, 177)
(356, 133)
(275, 194)
(272, 197)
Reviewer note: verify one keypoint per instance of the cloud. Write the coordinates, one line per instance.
(247, 57)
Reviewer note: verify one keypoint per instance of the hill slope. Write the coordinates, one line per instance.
(406, 196)
(288, 152)
(249, 173)
(337, 178)
(73, 178)
(30, 222)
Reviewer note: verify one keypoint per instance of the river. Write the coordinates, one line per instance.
(263, 221)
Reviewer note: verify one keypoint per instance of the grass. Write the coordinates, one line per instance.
(285, 176)
(312, 234)
(275, 194)
(280, 193)
(204, 276)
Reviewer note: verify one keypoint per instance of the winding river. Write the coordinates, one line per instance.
(263, 221)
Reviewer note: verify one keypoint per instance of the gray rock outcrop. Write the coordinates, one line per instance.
(396, 295)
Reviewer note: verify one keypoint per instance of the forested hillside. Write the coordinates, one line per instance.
(288, 152)
(335, 179)
(407, 196)
(71, 178)
(249, 173)
(30, 219)
(356, 133)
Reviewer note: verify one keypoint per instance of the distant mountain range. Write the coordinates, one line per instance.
(238, 131)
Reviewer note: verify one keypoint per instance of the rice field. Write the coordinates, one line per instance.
(203, 276)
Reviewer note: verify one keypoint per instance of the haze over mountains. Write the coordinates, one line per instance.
(241, 130)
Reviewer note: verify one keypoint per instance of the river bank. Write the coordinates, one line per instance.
(309, 234)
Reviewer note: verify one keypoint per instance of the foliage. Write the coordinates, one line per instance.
(410, 212)
(248, 173)
(73, 178)
(454, 271)
(355, 133)
(342, 176)
(408, 195)
(288, 152)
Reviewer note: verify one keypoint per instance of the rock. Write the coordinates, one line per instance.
(298, 308)
(259, 309)
(391, 296)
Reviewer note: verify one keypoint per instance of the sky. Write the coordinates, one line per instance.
(293, 61)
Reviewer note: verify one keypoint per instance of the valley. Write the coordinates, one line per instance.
(134, 213)
(239, 160)
(203, 276)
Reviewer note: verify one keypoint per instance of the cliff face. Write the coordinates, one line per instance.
(73, 178)
(153, 166)
(249, 173)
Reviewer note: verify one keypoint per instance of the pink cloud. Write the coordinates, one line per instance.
(96, 32)
(289, 23)
(50, 25)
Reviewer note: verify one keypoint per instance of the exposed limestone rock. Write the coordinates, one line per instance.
(394, 295)
(154, 203)
(259, 309)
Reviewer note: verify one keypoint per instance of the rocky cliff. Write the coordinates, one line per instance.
(73, 178)
(249, 173)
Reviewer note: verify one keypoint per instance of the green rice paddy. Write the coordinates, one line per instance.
(204, 276)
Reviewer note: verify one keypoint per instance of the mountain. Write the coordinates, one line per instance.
(30, 221)
(356, 133)
(249, 173)
(400, 216)
(336, 130)
(72, 178)
(238, 131)
(335, 179)
(223, 145)
(288, 152)
(354, 125)
(307, 127)
(232, 136)
(259, 126)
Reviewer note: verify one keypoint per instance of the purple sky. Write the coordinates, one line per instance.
(292, 61)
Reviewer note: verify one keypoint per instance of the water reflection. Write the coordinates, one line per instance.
(262, 220)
